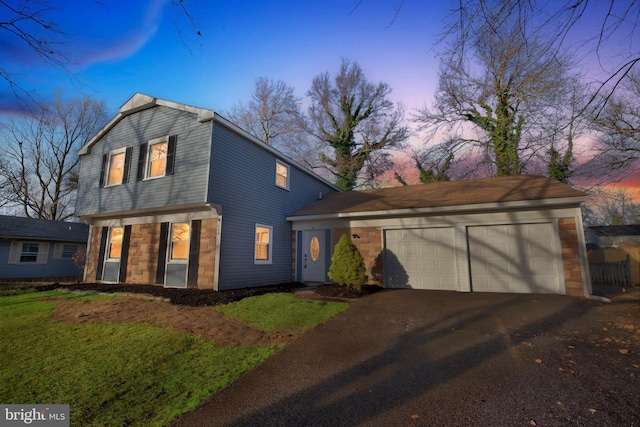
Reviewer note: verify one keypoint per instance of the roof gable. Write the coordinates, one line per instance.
(140, 102)
(12, 227)
(495, 191)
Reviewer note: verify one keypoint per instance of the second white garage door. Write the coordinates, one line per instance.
(422, 258)
(520, 258)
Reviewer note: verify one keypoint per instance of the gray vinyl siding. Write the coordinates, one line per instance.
(54, 268)
(187, 184)
(243, 181)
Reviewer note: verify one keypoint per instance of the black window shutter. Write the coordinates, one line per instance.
(103, 246)
(162, 253)
(142, 158)
(171, 154)
(127, 165)
(103, 171)
(124, 254)
(194, 254)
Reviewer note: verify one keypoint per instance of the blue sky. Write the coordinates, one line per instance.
(119, 48)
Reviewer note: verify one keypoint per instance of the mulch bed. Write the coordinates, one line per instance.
(209, 297)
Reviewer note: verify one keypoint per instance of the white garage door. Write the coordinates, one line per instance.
(420, 259)
(514, 258)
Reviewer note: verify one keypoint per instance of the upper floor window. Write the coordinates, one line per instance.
(282, 175)
(156, 158)
(263, 244)
(115, 243)
(115, 167)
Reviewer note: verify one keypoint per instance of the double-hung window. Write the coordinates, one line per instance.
(157, 158)
(179, 250)
(282, 175)
(156, 164)
(29, 253)
(115, 167)
(115, 243)
(264, 235)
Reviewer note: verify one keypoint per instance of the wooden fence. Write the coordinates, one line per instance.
(612, 273)
(616, 266)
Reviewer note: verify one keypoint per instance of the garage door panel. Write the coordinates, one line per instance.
(516, 258)
(423, 258)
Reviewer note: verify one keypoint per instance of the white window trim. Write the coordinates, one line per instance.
(288, 177)
(107, 172)
(147, 160)
(269, 260)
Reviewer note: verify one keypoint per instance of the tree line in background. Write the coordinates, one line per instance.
(509, 101)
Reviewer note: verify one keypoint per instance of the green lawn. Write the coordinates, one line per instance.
(130, 373)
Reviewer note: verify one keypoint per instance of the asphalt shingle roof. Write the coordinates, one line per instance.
(12, 227)
(442, 194)
(616, 230)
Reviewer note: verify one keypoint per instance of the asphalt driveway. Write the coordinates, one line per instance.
(405, 357)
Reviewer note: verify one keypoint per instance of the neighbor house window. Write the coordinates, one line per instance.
(29, 253)
(157, 158)
(115, 243)
(263, 244)
(282, 175)
(179, 242)
(65, 250)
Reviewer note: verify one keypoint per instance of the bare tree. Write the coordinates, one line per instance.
(497, 95)
(559, 22)
(433, 164)
(356, 119)
(272, 114)
(616, 206)
(618, 128)
(40, 160)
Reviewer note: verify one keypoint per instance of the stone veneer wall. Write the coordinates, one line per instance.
(369, 243)
(571, 256)
(92, 256)
(144, 244)
(207, 257)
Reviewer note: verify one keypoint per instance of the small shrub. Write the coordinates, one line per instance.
(347, 265)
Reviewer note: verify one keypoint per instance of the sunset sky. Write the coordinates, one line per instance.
(117, 48)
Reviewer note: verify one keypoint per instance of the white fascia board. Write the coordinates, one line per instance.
(524, 204)
(141, 216)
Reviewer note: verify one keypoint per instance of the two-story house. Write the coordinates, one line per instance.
(179, 196)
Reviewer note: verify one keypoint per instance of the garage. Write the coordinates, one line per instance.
(516, 234)
(420, 259)
(518, 258)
